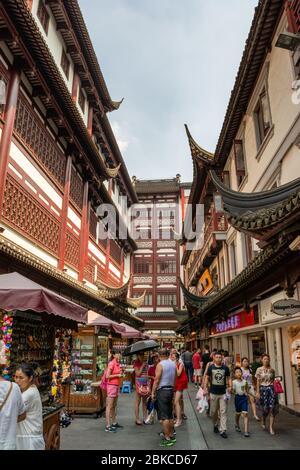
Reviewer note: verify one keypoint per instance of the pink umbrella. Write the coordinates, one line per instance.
(130, 332)
(99, 320)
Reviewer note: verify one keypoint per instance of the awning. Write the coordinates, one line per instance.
(17, 292)
(99, 320)
(130, 332)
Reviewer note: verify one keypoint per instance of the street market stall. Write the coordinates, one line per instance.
(35, 325)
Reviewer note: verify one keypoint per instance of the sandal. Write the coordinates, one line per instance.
(138, 423)
(272, 432)
(177, 424)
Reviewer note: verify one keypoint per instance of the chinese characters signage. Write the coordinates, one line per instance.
(235, 322)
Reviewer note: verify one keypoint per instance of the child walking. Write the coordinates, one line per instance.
(240, 390)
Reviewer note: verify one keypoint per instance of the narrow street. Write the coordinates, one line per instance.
(87, 433)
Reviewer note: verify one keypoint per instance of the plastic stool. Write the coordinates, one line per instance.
(126, 387)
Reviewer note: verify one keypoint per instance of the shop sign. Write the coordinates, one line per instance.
(235, 322)
(286, 307)
(205, 282)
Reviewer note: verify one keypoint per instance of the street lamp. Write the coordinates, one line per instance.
(289, 41)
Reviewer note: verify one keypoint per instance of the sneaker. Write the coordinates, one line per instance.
(246, 434)
(223, 434)
(161, 434)
(166, 443)
(110, 429)
(237, 428)
(216, 430)
(117, 426)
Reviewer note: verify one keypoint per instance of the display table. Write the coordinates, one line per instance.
(51, 427)
(82, 402)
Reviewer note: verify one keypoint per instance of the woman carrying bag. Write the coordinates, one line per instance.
(142, 388)
(266, 394)
(181, 384)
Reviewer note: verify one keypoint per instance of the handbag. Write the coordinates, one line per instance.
(278, 388)
(143, 388)
(104, 381)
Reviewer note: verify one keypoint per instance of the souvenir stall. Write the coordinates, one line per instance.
(89, 359)
(36, 326)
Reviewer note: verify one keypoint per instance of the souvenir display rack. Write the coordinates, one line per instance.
(89, 358)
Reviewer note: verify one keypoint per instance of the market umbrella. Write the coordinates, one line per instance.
(130, 332)
(99, 320)
(17, 292)
(140, 346)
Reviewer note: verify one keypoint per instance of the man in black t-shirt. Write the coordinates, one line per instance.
(219, 381)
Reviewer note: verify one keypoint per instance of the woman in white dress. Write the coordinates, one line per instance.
(29, 431)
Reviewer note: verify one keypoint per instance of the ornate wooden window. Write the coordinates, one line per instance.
(115, 251)
(147, 300)
(89, 270)
(65, 63)
(81, 100)
(262, 118)
(166, 299)
(239, 161)
(72, 250)
(43, 16)
(76, 188)
(27, 216)
(36, 137)
(93, 224)
(142, 266)
(167, 267)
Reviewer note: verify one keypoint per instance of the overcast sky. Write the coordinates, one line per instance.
(174, 62)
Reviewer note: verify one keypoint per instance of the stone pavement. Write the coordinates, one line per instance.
(87, 433)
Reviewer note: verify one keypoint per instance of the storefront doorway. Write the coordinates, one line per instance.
(257, 345)
(294, 351)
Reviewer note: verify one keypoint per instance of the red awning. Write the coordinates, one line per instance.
(17, 292)
(130, 332)
(99, 320)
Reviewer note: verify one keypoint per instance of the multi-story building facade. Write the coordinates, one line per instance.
(59, 159)
(156, 263)
(232, 282)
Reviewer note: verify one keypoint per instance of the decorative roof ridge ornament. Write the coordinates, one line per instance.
(136, 302)
(116, 104)
(109, 292)
(113, 172)
(198, 152)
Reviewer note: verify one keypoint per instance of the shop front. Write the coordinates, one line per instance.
(283, 335)
(240, 335)
(36, 325)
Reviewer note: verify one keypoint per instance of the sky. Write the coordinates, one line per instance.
(174, 62)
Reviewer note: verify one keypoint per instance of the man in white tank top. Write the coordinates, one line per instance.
(163, 391)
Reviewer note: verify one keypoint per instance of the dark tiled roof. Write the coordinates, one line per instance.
(157, 186)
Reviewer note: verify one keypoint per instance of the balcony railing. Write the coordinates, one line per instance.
(216, 223)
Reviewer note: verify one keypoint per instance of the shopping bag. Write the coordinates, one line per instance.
(200, 394)
(150, 417)
(278, 388)
(202, 405)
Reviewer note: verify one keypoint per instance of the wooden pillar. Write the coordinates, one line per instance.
(8, 127)
(75, 87)
(90, 120)
(107, 260)
(64, 215)
(122, 267)
(84, 233)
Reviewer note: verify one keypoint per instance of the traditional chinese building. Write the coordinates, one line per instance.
(253, 178)
(59, 159)
(156, 263)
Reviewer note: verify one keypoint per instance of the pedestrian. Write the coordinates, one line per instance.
(163, 391)
(247, 375)
(12, 411)
(240, 390)
(265, 394)
(113, 376)
(142, 387)
(181, 384)
(152, 368)
(30, 430)
(188, 363)
(227, 360)
(197, 367)
(218, 382)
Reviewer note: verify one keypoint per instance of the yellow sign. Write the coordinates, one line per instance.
(205, 282)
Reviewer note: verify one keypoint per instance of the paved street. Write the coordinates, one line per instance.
(196, 433)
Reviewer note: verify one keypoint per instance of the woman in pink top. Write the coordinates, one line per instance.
(113, 376)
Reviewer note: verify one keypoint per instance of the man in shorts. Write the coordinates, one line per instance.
(197, 368)
(163, 391)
